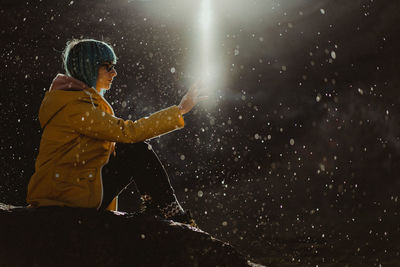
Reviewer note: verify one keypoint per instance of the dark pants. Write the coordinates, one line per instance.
(135, 167)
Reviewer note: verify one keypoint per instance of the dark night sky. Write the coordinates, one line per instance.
(305, 123)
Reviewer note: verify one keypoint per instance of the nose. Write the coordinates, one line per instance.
(113, 73)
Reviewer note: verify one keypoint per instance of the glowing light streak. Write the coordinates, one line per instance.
(205, 55)
(206, 39)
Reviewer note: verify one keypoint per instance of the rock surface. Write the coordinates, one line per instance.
(85, 237)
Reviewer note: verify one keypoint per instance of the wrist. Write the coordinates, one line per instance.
(181, 109)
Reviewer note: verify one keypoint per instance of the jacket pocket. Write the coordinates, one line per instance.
(65, 178)
(74, 187)
(62, 175)
(87, 174)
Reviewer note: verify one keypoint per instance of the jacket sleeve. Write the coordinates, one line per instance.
(95, 123)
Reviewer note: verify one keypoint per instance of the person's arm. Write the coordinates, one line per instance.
(93, 122)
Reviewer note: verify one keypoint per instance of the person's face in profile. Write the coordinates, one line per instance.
(105, 76)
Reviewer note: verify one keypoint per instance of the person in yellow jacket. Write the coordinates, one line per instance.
(74, 167)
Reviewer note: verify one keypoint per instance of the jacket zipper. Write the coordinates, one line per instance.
(109, 152)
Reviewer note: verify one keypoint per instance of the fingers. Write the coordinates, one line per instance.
(193, 94)
(202, 98)
(193, 91)
(198, 83)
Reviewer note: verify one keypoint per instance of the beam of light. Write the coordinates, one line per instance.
(210, 31)
(205, 52)
(205, 17)
(205, 63)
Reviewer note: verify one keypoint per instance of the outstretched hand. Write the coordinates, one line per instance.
(190, 99)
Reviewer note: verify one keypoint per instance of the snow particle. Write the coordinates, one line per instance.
(173, 70)
(291, 141)
(236, 52)
(322, 11)
(200, 193)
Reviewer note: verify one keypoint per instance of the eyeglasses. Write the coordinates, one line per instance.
(109, 67)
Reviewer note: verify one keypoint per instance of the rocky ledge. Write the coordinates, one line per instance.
(86, 237)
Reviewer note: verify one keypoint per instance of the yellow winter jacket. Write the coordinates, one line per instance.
(79, 134)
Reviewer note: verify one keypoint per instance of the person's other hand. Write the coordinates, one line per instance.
(190, 99)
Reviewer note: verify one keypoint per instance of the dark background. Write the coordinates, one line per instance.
(301, 145)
